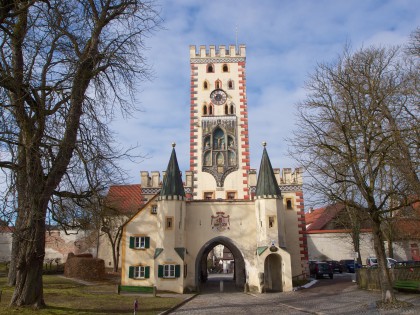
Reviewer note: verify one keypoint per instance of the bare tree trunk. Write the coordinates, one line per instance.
(11, 278)
(384, 279)
(117, 251)
(29, 261)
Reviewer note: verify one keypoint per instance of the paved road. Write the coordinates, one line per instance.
(326, 296)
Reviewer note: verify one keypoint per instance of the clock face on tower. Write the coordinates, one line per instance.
(218, 97)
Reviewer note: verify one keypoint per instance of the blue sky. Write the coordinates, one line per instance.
(284, 42)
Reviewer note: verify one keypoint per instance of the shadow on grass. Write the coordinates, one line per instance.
(70, 310)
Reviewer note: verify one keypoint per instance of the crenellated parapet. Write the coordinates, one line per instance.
(208, 54)
(151, 183)
(288, 179)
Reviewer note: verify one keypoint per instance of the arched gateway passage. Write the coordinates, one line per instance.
(201, 262)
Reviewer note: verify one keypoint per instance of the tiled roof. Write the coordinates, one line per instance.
(319, 218)
(313, 215)
(172, 183)
(267, 186)
(407, 222)
(126, 199)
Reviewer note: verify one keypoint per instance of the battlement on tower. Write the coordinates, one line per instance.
(285, 176)
(220, 52)
(154, 180)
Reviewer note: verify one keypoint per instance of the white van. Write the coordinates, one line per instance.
(372, 261)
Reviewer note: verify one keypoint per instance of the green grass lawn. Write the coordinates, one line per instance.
(64, 296)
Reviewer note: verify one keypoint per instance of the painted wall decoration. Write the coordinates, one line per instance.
(220, 221)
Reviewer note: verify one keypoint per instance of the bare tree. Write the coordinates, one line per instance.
(344, 139)
(64, 67)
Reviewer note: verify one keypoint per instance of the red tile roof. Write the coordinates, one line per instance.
(319, 218)
(313, 215)
(126, 199)
(407, 222)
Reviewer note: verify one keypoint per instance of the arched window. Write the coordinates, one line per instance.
(225, 68)
(207, 158)
(232, 109)
(226, 110)
(210, 68)
(218, 84)
(205, 85)
(218, 139)
(230, 85)
(220, 159)
(210, 110)
(205, 110)
(231, 158)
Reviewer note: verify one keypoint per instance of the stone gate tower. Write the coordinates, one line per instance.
(219, 146)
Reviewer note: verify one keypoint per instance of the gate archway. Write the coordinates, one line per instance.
(201, 261)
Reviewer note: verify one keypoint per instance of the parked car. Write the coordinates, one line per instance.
(373, 262)
(347, 265)
(408, 263)
(319, 269)
(335, 265)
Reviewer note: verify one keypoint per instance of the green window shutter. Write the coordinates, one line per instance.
(147, 242)
(147, 272)
(160, 271)
(131, 272)
(177, 271)
(131, 242)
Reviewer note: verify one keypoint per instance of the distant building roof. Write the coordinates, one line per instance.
(321, 217)
(407, 222)
(126, 199)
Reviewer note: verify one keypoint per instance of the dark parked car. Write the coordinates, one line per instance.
(319, 269)
(347, 265)
(335, 265)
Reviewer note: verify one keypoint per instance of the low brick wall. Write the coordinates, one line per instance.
(84, 267)
(368, 278)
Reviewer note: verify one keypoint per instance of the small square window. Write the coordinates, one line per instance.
(231, 195)
(169, 271)
(139, 272)
(140, 242)
(169, 223)
(271, 221)
(208, 195)
(154, 209)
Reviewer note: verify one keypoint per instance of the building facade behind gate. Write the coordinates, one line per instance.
(259, 217)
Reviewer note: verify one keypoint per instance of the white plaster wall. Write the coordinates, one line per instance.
(5, 246)
(337, 246)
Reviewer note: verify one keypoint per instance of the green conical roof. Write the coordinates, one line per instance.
(267, 186)
(172, 187)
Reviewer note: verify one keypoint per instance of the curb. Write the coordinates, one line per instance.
(173, 308)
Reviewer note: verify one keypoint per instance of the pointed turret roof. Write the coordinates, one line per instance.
(172, 187)
(267, 186)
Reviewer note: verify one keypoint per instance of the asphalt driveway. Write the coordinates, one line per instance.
(325, 296)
